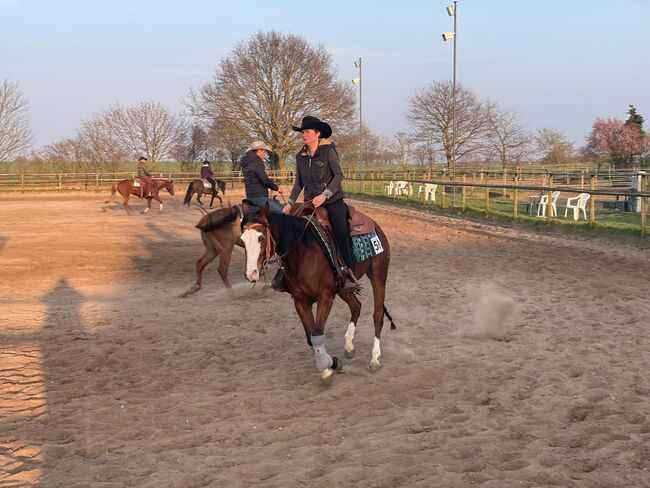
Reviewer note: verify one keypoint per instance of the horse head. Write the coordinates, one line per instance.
(222, 186)
(169, 186)
(258, 244)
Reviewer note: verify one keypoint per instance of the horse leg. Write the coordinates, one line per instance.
(148, 206)
(125, 204)
(377, 275)
(355, 310)
(324, 362)
(157, 198)
(224, 265)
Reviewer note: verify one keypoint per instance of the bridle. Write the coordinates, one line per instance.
(272, 257)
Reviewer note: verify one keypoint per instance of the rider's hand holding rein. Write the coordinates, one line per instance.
(318, 201)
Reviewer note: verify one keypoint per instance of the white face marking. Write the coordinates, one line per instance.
(253, 246)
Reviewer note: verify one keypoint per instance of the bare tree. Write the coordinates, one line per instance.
(15, 134)
(554, 147)
(507, 138)
(270, 82)
(101, 145)
(430, 113)
(401, 145)
(147, 129)
(230, 139)
(347, 146)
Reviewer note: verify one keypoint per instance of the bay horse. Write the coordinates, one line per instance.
(126, 188)
(198, 187)
(310, 280)
(220, 232)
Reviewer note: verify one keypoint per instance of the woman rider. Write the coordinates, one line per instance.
(319, 173)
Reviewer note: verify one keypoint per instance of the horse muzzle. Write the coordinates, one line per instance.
(253, 276)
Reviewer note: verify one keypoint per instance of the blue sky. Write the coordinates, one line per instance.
(559, 64)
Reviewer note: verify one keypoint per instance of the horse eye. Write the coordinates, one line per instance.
(260, 238)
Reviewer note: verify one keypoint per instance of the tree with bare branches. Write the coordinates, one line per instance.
(430, 113)
(15, 133)
(147, 129)
(507, 138)
(268, 83)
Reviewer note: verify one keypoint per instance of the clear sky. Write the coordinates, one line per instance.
(558, 63)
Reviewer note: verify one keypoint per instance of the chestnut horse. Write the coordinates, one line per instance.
(197, 186)
(126, 188)
(310, 280)
(220, 231)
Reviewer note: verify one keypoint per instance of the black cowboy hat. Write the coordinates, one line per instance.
(206, 162)
(310, 122)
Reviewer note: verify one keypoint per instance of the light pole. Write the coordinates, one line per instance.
(357, 81)
(452, 11)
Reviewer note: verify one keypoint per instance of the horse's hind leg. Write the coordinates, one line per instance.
(377, 273)
(125, 204)
(355, 310)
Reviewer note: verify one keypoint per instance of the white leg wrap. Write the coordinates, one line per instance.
(349, 337)
(376, 352)
(323, 360)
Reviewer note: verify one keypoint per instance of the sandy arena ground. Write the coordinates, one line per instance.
(519, 360)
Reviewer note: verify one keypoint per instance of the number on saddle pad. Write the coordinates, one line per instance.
(136, 184)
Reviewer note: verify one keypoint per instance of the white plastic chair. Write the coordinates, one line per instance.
(389, 188)
(577, 203)
(543, 201)
(402, 188)
(429, 190)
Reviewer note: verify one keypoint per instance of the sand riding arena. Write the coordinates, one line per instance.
(520, 359)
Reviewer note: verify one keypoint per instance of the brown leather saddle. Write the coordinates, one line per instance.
(358, 222)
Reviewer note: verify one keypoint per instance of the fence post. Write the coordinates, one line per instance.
(464, 196)
(487, 201)
(22, 182)
(644, 205)
(515, 198)
(505, 182)
(582, 179)
(442, 194)
(592, 203)
(97, 180)
(60, 181)
(549, 193)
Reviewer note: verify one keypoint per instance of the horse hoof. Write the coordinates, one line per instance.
(326, 377)
(350, 354)
(337, 364)
(374, 367)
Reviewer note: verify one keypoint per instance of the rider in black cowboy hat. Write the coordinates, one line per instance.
(319, 172)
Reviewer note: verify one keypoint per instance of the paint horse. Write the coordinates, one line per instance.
(310, 279)
(130, 187)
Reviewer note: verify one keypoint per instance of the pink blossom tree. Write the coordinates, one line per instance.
(613, 140)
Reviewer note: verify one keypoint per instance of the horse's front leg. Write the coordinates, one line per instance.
(324, 362)
(157, 198)
(355, 310)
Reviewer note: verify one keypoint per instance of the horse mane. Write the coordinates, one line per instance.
(289, 231)
(218, 218)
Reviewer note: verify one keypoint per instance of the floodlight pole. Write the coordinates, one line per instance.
(360, 116)
(453, 109)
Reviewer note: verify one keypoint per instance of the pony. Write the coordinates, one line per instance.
(197, 186)
(310, 280)
(220, 231)
(126, 188)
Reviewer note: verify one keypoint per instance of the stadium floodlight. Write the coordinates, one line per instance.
(451, 11)
(356, 81)
(448, 36)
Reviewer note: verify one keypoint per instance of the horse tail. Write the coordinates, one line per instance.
(392, 324)
(188, 195)
(113, 190)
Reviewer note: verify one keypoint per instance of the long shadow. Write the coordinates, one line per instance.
(46, 389)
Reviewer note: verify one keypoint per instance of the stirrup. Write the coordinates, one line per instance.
(349, 282)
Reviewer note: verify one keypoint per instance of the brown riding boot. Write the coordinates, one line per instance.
(349, 282)
(279, 282)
